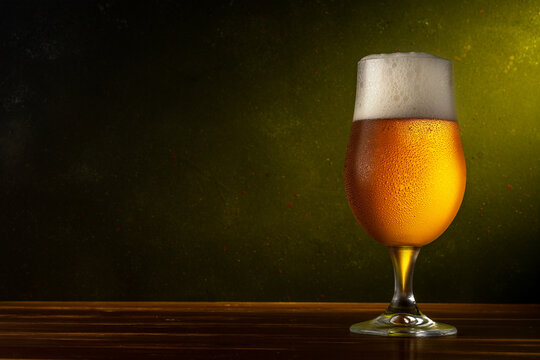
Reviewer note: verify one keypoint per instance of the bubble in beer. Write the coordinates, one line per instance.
(404, 85)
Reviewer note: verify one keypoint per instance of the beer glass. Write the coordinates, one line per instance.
(404, 172)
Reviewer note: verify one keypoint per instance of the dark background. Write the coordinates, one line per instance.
(175, 150)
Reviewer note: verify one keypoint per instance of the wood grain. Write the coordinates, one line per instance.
(220, 330)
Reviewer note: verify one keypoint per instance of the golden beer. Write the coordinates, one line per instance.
(404, 172)
(405, 178)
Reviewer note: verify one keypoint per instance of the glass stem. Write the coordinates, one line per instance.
(403, 260)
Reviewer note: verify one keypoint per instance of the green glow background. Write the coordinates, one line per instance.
(171, 151)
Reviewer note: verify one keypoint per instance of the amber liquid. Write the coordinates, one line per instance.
(405, 178)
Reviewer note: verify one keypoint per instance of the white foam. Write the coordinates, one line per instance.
(404, 85)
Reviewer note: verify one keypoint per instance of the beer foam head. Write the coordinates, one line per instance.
(404, 85)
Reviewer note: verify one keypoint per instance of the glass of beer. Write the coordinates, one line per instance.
(404, 172)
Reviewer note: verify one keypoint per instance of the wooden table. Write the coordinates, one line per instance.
(203, 330)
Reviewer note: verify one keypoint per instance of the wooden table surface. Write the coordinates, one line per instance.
(219, 330)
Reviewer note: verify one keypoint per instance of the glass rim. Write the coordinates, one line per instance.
(383, 56)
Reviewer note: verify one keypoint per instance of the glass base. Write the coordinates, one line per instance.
(403, 325)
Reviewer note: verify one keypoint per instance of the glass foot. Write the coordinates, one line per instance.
(403, 325)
